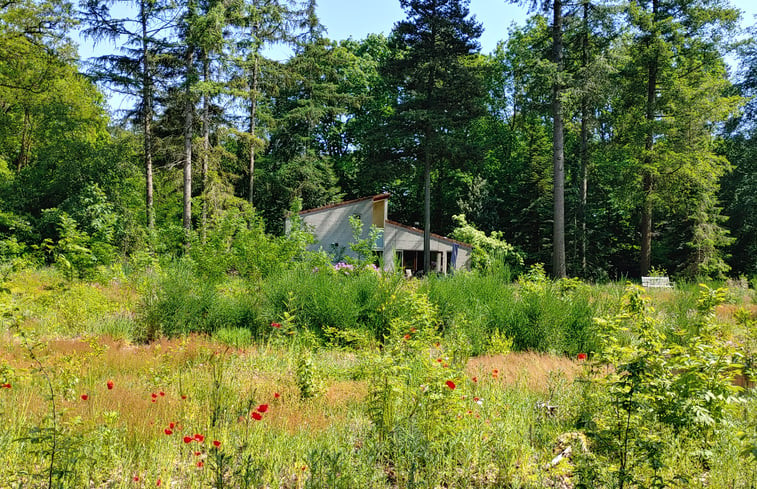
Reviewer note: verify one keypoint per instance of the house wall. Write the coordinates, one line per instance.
(332, 225)
(399, 238)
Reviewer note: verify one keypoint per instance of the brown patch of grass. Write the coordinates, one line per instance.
(529, 369)
(724, 312)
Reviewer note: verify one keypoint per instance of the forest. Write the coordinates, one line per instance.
(606, 139)
(158, 328)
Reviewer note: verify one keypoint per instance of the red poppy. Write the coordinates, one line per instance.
(439, 360)
(582, 356)
(406, 337)
(168, 431)
(276, 395)
(171, 425)
(110, 385)
(256, 416)
(84, 397)
(183, 396)
(276, 325)
(136, 478)
(216, 443)
(162, 393)
(262, 408)
(158, 482)
(450, 384)
(187, 439)
(199, 438)
(475, 379)
(199, 464)
(197, 454)
(154, 395)
(6, 386)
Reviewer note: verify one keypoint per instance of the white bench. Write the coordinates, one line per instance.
(660, 282)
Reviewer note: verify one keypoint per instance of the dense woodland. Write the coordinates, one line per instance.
(603, 138)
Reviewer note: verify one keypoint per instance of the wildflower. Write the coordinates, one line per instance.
(158, 482)
(162, 394)
(171, 425)
(168, 431)
(495, 373)
(256, 416)
(439, 360)
(183, 396)
(450, 384)
(581, 357)
(136, 478)
(276, 325)
(6, 386)
(262, 408)
(84, 397)
(199, 438)
(110, 385)
(406, 337)
(197, 454)
(413, 330)
(187, 439)
(276, 395)
(154, 395)
(475, 379)
(199, 464)
(216, 443)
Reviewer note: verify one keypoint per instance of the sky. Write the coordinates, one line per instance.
(358, 18)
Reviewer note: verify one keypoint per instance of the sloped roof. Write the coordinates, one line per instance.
(346, 202)
(433, 235)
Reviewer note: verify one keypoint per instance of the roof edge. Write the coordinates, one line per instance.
(374, 198)
(433, 235)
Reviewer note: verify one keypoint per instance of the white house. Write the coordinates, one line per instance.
(330, 225)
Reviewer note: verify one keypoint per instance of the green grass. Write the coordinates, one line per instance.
(360, 364)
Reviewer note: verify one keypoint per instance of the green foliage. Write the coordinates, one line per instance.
(661, 397)
(363, 247)
(489, 252)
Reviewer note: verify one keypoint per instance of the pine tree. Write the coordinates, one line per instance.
(440, 90)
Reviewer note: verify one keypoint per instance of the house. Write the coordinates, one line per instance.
(331, 227)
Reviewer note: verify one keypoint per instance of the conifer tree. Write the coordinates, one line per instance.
(440, 90)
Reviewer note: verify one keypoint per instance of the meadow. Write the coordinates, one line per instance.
(310, 378)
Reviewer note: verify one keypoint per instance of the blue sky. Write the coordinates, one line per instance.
(357, 18)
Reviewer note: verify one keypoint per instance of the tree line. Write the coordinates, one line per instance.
(606, 138)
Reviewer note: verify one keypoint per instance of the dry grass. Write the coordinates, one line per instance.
(527, 369)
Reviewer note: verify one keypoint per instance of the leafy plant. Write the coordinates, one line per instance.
(660, 395)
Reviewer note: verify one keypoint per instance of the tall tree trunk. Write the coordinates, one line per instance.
(205, 143)
(427, 213)
(584, 190)
(254, 82)
(147, 118)
(188, 121)
(558, 155)
(26, 141)
(647, 177)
